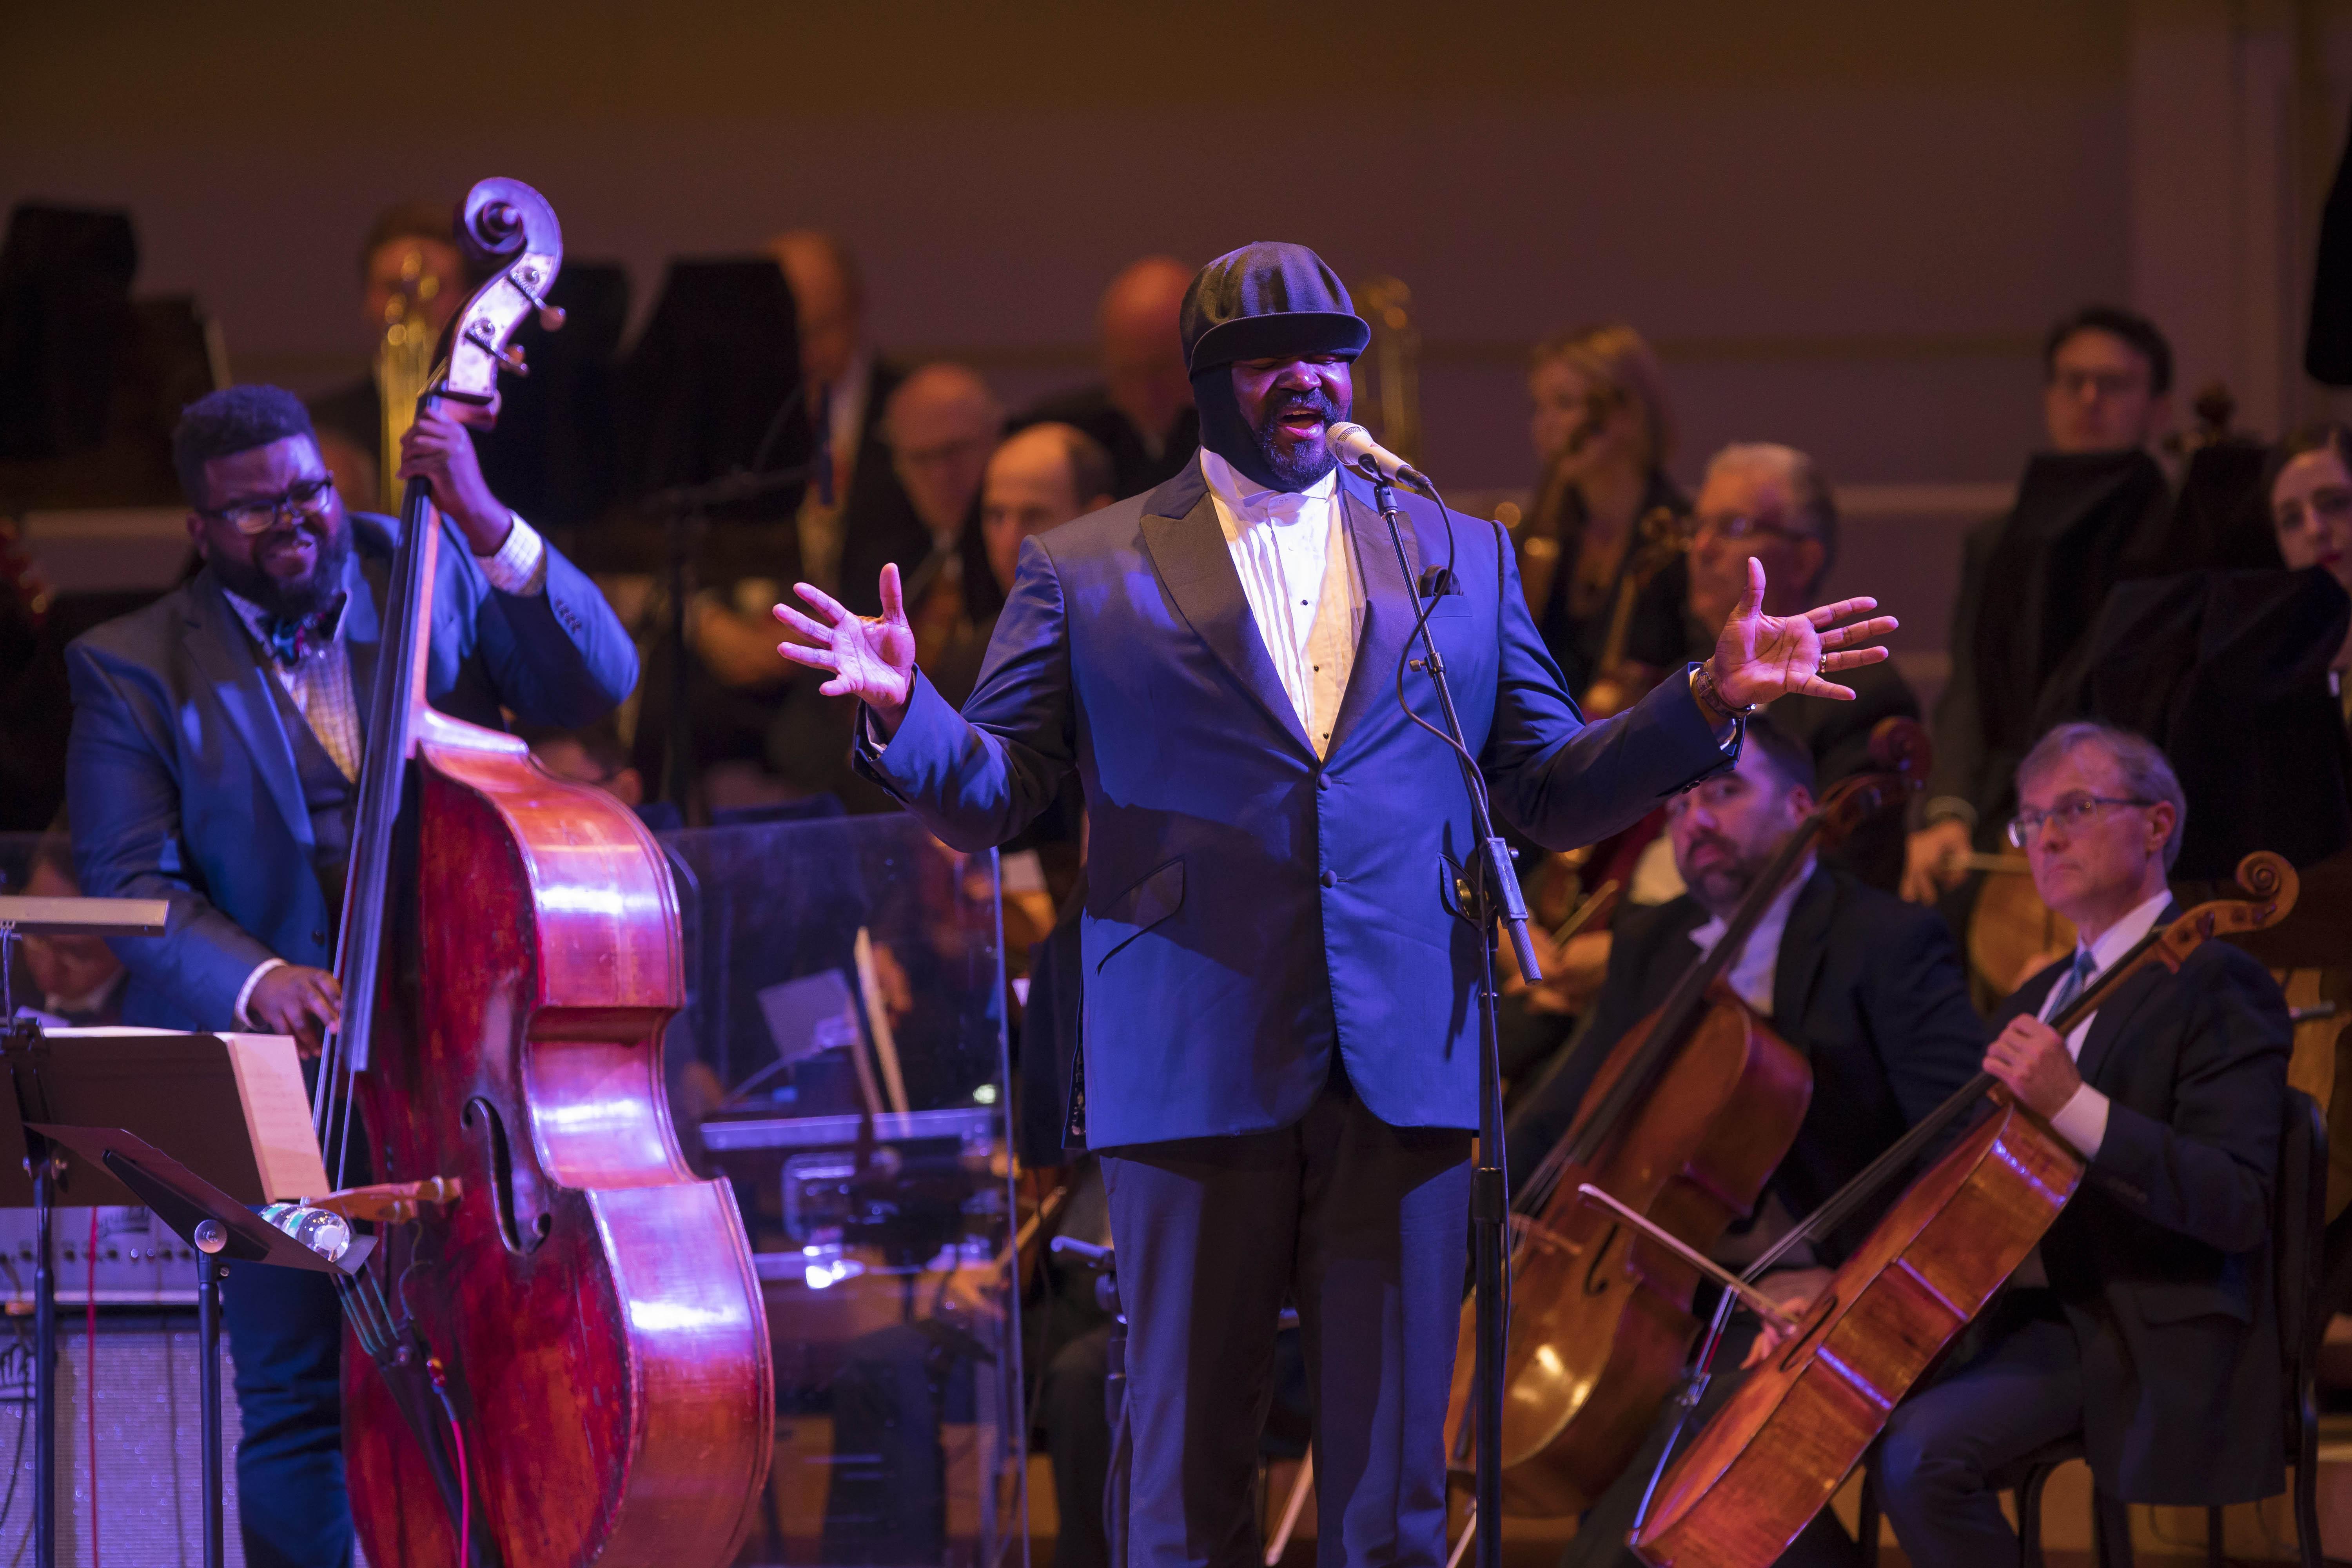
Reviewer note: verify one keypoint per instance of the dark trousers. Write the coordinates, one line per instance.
(1945, 1444)
(1075, 1416)
(285, 1335)
(1600, 1536)
(1366, 1227)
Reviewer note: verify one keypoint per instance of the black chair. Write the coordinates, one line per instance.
(2306, 1293)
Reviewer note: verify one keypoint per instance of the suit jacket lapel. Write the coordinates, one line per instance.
(1187, 547)
(2115, 1015)
(1804, 948)
(222, 650)
(1389, 608)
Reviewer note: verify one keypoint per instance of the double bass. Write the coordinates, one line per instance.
(1685, 1123)
(563, 1355)
(1772, 1457)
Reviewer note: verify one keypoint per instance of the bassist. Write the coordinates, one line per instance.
(216, 745)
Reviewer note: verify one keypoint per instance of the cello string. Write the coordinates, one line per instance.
(1842, 1204)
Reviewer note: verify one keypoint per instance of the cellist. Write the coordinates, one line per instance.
(1870, 989)
(2143, 1324)
(215, 749)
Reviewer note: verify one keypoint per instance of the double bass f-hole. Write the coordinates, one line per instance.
(506, 1196)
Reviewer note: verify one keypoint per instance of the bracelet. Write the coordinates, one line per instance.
(1703, 687)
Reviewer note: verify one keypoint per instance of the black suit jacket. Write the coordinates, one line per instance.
(2163, 1257)
(877, 518)
(1869, 988)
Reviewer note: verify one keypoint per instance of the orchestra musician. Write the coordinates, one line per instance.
(2143, 1324)
(1869, 989)
(1279, 1068)
(1603, 432)
(213, 763)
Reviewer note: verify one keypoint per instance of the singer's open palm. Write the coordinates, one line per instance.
(1761, 657)
(870, 657)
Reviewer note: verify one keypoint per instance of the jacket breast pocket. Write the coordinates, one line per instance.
(1449, 606)
(1144, 905)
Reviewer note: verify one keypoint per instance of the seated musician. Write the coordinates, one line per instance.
(1869, 989)
(1759, 502)
(2142, 1325)
(213, 762)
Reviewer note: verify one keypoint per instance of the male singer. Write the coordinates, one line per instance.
(1282, 1032)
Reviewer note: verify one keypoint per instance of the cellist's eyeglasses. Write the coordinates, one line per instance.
(2073, 814)
(304, 498)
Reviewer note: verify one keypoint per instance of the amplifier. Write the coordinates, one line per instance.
(149, 1498)
(140, 1262)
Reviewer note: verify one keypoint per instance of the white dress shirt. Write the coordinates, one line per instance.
(319, 682)
(1297, 571)
(1750, 975)
(2083, 1120)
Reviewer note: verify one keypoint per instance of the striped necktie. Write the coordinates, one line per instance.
(2070, 986)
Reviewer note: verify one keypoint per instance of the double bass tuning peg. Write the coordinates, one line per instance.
(551, 317)
(510, 360)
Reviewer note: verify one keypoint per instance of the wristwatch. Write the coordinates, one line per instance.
(1703, 687)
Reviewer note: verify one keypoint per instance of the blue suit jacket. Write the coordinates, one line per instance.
(180, 780)
(1249, 908)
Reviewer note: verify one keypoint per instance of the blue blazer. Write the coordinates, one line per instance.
(1249, 908)
(180, 780)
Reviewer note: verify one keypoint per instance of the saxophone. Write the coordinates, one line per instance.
(403, 363)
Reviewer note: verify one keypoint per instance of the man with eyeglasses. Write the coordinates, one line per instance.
(2143, 1322)
(1771, 504)
(2093, 507)
(213, 763)
(1868, 988)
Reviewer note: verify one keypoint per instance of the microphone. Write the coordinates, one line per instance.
(1353, 446)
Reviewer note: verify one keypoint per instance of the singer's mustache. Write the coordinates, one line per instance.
(1317, 404)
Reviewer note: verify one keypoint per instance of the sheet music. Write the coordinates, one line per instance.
(278, 1116)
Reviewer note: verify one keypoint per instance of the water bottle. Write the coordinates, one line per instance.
(324, 1232)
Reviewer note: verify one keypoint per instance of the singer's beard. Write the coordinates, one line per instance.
(1296, 464)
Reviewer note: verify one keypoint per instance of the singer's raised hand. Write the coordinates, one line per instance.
(870, 657)
(1760, 656)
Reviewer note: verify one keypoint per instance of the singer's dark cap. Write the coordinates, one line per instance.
(1265, 299)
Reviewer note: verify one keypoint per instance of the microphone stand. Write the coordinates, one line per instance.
(1490, 891)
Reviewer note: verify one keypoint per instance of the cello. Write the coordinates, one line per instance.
(565, 1359)
(1684, 1122)
(1775, 1453)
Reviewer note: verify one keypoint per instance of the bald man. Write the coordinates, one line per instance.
(1142, 410)
(1040, 478)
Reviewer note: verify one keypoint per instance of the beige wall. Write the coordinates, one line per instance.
(1845, 222)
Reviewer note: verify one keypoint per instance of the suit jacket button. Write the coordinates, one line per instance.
(1323, 781)
(1330, 878)
(320, 937)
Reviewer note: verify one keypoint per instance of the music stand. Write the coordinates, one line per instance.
(189, 1089)
(218, 1227)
